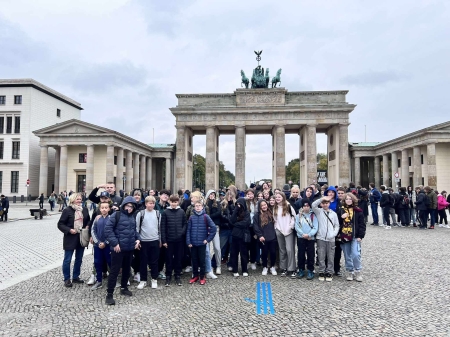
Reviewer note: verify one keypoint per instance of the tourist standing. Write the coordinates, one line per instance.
(442, 204)
(240, 223)
(422, 204)
(306, 226)
(412, 195)
(374, 199)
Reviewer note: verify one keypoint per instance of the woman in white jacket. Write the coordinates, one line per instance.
(284, 216)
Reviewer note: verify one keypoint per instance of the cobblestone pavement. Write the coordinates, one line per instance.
(404, 293)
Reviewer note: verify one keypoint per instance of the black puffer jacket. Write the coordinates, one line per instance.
(65, 224)
(226, 214)
(121, 227)
(422, 201)
(214, 211)
(240, 223)
(173, 225)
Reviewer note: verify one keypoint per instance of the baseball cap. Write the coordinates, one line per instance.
(104, 194)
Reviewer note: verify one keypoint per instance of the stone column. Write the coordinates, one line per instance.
(43, 171)
(404, 175)
(149, 173)
(240, 157)
(169, 175)
(119, 175)
(57, 163)
(357, 171)
(136, 170)
(63, 169)
(394, 168)
(181, 160)
(311, 154)
(344, 162)
(142, 172)
(129, 171)
(279, 157)
(211, 159)
(109, 163)
(431, 162)
(90, 168)
(385, 170)
(377, 172)
(417, 167)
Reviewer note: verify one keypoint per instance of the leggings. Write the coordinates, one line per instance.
(269, 248)
(442, 216)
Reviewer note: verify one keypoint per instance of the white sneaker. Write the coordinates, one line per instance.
(349, 276)
(441, 225)
(188, 269)
(236, 274)
(91, 280)
(230, 268)
(381, 225)
(387, 227)
(273, 271)
(253, 266)
(154, 284)
(218, 271)
(358, 276)
(211, 275)
(245, 274)
(264, 272)
(141, 285)
(446, 226)
(118, 284)
(137, 277)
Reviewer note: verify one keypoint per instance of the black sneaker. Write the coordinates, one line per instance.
(283, 273)
(67, 284)
(321, 277)
(78, 280)
(126, 292)
(178, 281)
(293, 274)
(328, 277)
(167, 282)
(109, 299)
(338, 274)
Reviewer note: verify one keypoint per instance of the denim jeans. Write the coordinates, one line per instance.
(432, 213)
(374, 208)
(412, 215)
(225, 241)
(208, 267)
(352, 255)
(77, 265)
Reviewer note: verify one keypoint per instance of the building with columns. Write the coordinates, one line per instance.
(87, 155)
(419, 158)
(275, 111)
(27, 105)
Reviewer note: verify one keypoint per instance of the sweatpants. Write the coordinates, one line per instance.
(287, 251)
(269, 248)
(326, 248)
(217, 250)
(174, 255)
(386, 212)
(198, 254)
(305, 246)
(149, 257)
(119, 260)
(100, 257)
(239, 247)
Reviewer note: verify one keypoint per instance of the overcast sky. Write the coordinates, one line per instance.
(124, 61)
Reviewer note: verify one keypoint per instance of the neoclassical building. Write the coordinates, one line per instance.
(87, 155)
(420, 158)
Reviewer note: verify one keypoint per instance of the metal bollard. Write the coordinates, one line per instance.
(22, 198)
(14, 199)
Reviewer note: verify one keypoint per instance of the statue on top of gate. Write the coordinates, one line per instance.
(260, 79)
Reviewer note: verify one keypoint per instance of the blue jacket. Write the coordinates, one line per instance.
(121, 227)
(374, 196)
(200, 228)
(98, 229)
(304, 225)
(5, 203)
(335, 204)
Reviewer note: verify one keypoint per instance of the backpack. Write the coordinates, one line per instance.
(405, 200)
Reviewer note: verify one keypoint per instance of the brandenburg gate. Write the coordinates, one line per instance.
(263, 110)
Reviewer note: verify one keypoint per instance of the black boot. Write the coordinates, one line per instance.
(109, 299)
(126, 292)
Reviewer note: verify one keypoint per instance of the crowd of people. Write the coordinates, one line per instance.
(168, 234)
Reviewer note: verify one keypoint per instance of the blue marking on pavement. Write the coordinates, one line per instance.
(266, 303)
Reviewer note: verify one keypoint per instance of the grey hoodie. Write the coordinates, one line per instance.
(327, 229)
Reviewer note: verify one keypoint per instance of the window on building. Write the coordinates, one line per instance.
(409, 161)
(15, 150)
(2, 100)
(81, 183)
(2, 122)
(421, 160)
(124, 161)
(1, 181)
(423, 181)
(8, 124)
(17, 124)
(399, 163)
(14, 181)
(132, 163)
(115, 160)
(18, 99)
(82, 157)
(1, 150)
(58, 112)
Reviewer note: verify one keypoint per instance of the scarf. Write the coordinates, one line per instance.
(78, 221)
(347, 228)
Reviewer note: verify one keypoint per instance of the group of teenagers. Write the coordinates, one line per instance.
(173, 233)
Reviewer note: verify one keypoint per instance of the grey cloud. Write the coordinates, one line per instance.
(374, 78)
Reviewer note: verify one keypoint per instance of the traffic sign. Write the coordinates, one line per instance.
(28, 181)
(397, 175)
